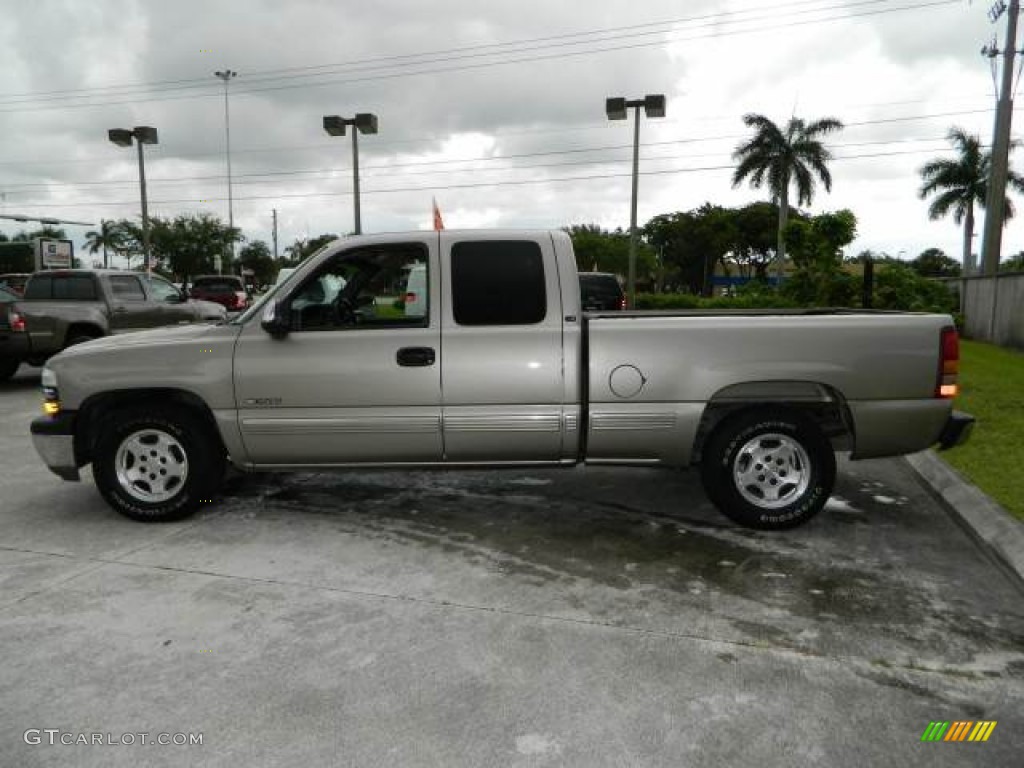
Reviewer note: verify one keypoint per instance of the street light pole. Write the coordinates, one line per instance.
(355, 182)
(617, 109)
(145, 208)
(363, 122)
(143, 134)
(226, 75)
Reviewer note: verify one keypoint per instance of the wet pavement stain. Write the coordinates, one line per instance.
(546, 537)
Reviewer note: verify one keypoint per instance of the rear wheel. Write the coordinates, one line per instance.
(157, 466)
(770, 469)
(79, 338)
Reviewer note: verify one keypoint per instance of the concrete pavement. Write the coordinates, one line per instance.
(523, 618)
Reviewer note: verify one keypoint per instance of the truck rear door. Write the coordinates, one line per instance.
(502, 369)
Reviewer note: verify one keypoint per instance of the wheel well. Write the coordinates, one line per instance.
(82, 329)
(99, 408)
(821, 404)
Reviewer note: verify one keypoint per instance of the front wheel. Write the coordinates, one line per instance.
(157, 466)
(770, 469)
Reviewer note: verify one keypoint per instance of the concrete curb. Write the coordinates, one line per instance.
(992, 525)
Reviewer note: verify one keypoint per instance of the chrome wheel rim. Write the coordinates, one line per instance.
(151, 466)
(771, 471)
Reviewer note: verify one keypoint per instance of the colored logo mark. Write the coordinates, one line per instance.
(958, 730)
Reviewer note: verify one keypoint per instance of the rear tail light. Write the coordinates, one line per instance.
(16, 321)
(623, 303)
(949, 364)
(410, 297)
(240, 299)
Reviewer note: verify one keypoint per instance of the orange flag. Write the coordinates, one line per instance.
(438, 222)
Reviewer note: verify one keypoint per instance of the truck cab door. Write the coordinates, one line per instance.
(130, 308)
(357, 377)
(502, 367)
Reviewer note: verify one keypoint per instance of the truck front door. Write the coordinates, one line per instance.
(357, 379)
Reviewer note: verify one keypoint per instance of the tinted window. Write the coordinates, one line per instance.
(218, 284)
(127, 288)
(498, 283)
(62, 287)
(600, 285)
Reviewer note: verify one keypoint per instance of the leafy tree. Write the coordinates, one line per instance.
(692, 243)
(816, 246)
(1013, 264)
(256, 256)
(898, 286)
(961, 183)
(46, 232)
(933, 262)
(599, 250)
(782, 157)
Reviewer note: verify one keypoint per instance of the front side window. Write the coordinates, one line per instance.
(162, 290)
(498, 282)
(376, 287)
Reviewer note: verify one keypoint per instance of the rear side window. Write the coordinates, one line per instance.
(127, 288)
(498, 282)
(62, 287)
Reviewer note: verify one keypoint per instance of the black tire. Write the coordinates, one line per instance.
(749, 490)
(158, 465)
(79, 338)
(8, 367)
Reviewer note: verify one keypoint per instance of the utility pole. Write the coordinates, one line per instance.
(994, 209)
(275, 234)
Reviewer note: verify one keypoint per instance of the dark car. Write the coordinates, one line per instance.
(600, 291)
(13, 339)
(15, 282)
(227, 290)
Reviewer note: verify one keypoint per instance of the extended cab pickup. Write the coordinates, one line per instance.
(492, 363)
(61, 308)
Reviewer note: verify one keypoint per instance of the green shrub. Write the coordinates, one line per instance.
(900, 287)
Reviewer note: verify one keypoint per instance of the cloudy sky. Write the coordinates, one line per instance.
(496, 109)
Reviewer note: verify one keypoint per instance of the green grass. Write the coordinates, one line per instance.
(992, 390)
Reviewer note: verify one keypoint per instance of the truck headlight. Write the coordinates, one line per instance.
(51, 395)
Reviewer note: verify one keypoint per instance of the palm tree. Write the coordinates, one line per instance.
(782, 157)
(109, 236)
(962, 182)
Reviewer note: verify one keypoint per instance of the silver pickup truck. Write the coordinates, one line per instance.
(469, 348)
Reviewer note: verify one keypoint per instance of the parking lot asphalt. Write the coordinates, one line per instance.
(527, 617)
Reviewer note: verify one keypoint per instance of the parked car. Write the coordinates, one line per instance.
(15, 282)
(600, 291)
(502, 369)
(226, 290)
(13, 340)
(62, 308)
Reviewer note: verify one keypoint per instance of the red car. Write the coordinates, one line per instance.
(228, 290)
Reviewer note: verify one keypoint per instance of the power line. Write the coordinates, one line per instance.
(534, 57)
(436, 188)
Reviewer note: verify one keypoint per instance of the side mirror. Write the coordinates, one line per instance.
(275, 320)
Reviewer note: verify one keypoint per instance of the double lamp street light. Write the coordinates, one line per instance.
(364, 122)
(617, 109)
(143, 134)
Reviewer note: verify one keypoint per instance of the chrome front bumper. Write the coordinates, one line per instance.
(54, 440)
